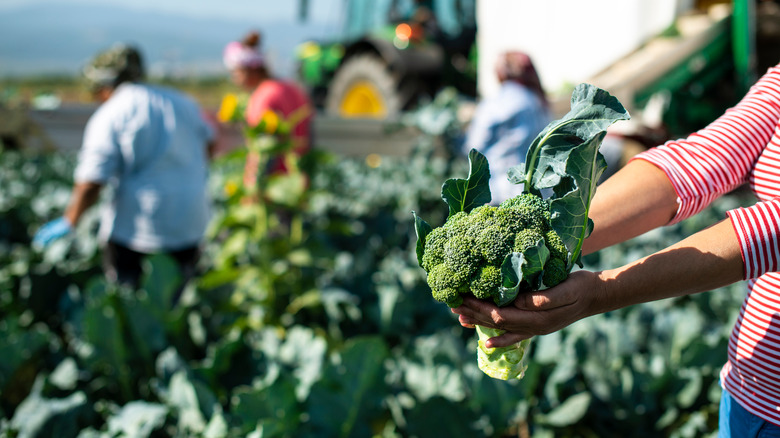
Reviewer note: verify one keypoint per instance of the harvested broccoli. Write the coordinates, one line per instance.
(470, 248)
(496, 253)
(466, 254)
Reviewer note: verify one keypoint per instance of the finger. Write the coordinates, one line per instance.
(476, 312)
(505, 340)
(467, 322)
(477, 306)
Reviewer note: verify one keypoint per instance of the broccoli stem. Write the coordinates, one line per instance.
(503, 363)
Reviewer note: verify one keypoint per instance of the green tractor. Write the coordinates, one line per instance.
(393, 53)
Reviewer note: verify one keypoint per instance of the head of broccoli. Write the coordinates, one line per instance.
(465, 255)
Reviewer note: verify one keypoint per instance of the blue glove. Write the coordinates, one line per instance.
(52, 231)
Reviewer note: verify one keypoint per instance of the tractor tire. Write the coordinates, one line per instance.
(364, 87)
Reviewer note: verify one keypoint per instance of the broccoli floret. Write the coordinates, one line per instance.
(486, 283)
(533, 211)
(460, 256)
(458, 223)
(527, 238)
(482, 214)
(554, 272)
(556, 246)
(434, 248)
(445, 285)
(494, 243)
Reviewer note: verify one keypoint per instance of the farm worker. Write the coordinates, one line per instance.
(665, 185)
(269, 96)
(151, 145)
(505, 124)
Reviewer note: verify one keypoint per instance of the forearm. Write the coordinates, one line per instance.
(704, 261)
(83, 196)
(637, 199)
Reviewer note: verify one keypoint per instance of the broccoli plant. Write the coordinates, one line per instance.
(529, 242)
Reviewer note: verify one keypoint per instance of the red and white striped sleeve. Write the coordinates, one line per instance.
(758, 230)
(720, 157)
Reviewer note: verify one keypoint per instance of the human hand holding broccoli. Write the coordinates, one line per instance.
(528, 243)
(561, 305)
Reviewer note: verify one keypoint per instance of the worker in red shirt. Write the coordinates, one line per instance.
(287, 101)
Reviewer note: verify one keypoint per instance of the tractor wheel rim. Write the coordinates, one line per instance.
(362, 99)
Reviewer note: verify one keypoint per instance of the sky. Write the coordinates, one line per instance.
(49, 36)
(271, 10)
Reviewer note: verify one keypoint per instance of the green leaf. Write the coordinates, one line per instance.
(565, 157)
(275, 406)
(467, 194)
(38, 416)
(421, 228)
(570, 411)
(570, 212)
(593, 110)
(137, 418)
(17, 345)
(219, 277)
(691, 388)
(160, 279)
(459, 418)
(287, 189)
(519, 268)
(192, 401)
(351, 389)
(516, 174)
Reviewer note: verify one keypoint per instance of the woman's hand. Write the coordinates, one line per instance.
(535, 313)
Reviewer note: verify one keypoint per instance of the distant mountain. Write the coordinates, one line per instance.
(58, 38)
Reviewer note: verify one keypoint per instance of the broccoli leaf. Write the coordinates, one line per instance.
(593, 110)
(467, 194)
(570, 212)
(565, 157)
(421, 228)
(516, 174)
(522, 267)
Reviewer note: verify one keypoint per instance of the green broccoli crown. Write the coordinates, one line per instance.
(466, 253)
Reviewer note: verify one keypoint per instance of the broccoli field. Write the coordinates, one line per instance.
(314, 319)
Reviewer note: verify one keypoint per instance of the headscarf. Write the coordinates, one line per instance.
(243, 54)
(120, 63)
(517, 66)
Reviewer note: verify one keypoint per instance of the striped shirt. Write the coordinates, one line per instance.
(742, 146)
